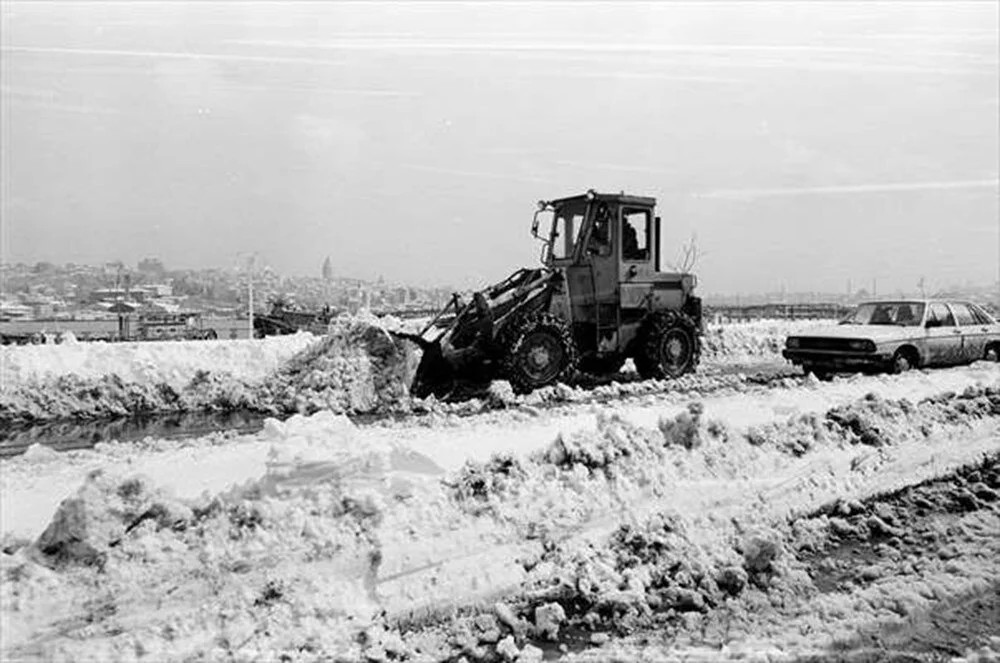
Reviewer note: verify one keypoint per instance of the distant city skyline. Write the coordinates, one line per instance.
(144, 272)
(805, 144)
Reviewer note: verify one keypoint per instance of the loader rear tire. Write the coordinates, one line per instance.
(669, 346)
(539, 350)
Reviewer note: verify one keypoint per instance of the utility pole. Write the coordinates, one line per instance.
(250, 296)
(251, 257)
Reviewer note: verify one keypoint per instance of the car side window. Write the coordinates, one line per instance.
(962, 314)
(981, 317)
(939, 316)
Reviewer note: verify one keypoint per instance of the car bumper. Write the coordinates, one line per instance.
(835, 361)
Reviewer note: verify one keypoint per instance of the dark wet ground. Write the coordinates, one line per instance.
(68, 435)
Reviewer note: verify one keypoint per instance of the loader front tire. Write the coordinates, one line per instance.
(669, 346)
(539, 351)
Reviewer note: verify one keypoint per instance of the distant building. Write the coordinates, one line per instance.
(116, 294)
(14, 310)
(159, 289)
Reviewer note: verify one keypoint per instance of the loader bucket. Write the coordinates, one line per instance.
(434, 375)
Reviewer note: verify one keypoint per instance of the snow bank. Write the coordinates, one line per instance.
(752, 340)
(357, 367)
(173, 363)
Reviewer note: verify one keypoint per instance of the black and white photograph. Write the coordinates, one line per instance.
(500, 331)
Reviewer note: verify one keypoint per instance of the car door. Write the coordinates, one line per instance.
(990, 329)
(944, 339)
(974, 334)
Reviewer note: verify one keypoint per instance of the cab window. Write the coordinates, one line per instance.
(962, 314)
(635, 235)
(567, 231)
(599, 242)
(939, 316)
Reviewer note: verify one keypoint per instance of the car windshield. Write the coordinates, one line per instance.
(905, 314)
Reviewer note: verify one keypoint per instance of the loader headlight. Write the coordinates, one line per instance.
(791, 342)
(862, 345)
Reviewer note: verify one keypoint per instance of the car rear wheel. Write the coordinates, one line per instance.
(992, 352)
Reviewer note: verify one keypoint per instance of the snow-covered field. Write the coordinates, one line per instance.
(709, 521)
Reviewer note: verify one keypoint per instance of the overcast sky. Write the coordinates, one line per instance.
(805, 143)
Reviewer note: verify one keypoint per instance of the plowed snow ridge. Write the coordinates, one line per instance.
(355, 368)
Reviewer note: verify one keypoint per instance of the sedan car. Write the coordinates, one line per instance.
(896, 336)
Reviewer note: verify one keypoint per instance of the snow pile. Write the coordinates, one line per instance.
(755, 340)
(357, 367)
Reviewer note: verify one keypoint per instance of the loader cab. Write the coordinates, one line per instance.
(600, 227)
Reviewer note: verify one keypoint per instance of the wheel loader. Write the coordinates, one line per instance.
(598, 298)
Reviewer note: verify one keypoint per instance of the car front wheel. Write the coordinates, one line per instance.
(819, 372)
(992, 352)
(902, 361)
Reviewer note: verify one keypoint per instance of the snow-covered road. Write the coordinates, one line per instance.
(31, 487)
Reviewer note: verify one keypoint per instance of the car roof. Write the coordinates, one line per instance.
(932, 300)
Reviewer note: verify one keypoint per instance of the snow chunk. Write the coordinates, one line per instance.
(100, 514)
(40, 453)
(548, 619)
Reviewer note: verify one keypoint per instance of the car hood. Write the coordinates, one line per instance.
(876, 333)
